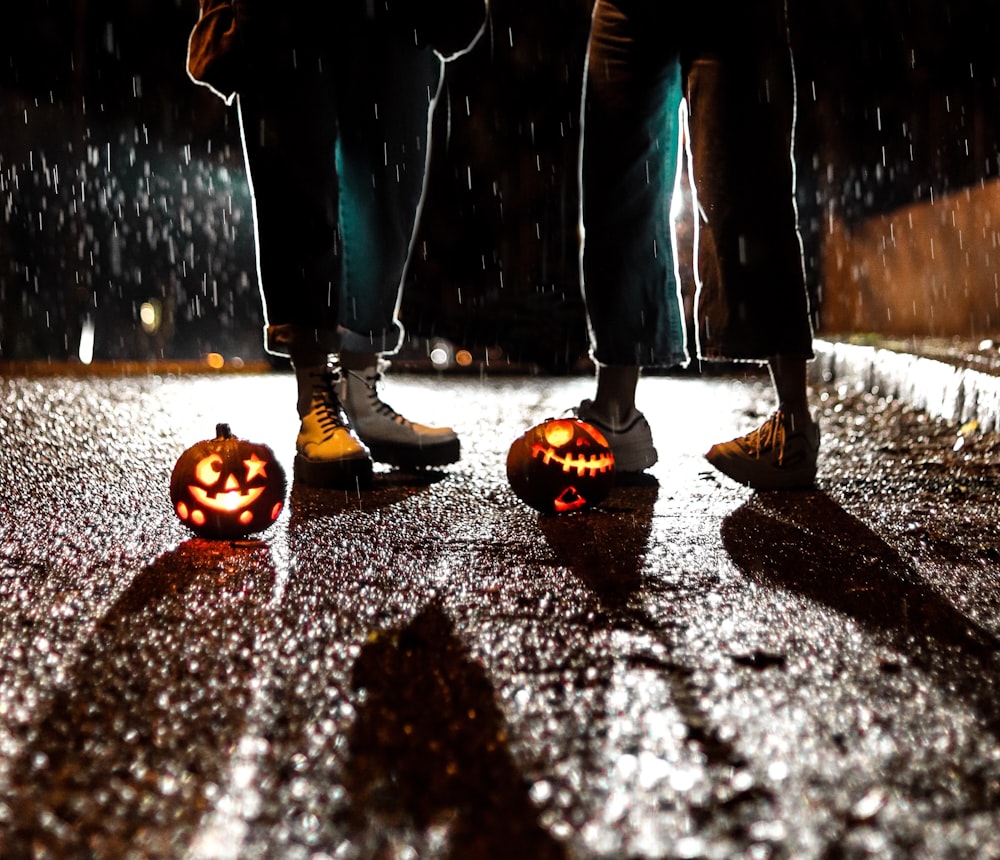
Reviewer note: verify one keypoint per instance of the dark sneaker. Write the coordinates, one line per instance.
(390, 437)
(327, 452)
(775, 456)
(631, 441)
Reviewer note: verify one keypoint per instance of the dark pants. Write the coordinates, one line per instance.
(335, 134)
(732, 63)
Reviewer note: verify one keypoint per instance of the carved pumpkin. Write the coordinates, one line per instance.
(561, 465)
(226, 487)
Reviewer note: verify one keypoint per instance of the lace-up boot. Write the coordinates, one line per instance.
(390, 437)
(327, 452)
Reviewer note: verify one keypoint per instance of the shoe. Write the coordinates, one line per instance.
(327, 452)
(631, 441)
(775, 456)
(390, 437)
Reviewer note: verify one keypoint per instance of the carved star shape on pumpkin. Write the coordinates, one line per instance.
(255, 466)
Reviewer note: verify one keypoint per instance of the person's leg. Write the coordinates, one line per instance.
(335, 137)
(288, 123)
(752, 302)
(381, 162)
(288, 120)
(788, 376)
(628, 165)
(615, 397)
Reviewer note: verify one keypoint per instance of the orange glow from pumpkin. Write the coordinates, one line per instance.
(208, 470)
(255, 467)
(229, 500)
(582, 465)
(558, 433)
(226, 487)
(560, 466)
(569, 500)
(597, 434)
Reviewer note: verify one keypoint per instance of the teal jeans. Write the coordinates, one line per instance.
(334, 123)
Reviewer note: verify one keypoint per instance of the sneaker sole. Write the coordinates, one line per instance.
(415, 456)
(772, 479)
(347, 473)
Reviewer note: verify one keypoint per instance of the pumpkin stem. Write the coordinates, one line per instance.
(222, 431)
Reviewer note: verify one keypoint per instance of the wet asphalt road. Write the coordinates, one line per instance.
(431, 669)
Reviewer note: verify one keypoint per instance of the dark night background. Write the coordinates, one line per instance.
(122, 182)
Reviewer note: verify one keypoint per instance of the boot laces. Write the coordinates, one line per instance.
(325, 404)
(379, 406)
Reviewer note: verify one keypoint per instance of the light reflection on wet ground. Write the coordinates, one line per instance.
(432, 669)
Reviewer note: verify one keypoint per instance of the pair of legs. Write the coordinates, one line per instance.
(335, 131)
(731, 63)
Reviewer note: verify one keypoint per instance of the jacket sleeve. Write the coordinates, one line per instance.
(217, 53)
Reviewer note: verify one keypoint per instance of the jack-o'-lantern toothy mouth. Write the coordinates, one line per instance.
(582, 465)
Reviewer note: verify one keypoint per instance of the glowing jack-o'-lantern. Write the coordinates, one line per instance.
(227, 487)
(561, 465)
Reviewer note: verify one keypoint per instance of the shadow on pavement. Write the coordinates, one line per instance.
(121, 761)
(606, 550)
(807, 544)
(428, 748)
(388, 488)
